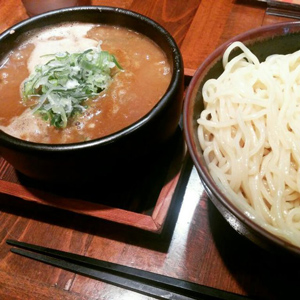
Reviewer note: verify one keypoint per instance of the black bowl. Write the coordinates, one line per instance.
(118, 152)
(281, 38)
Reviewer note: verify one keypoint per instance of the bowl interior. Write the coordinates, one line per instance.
(276, 39)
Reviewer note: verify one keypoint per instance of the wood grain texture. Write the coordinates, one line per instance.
(216, 22)
(196, 244)
(174, 15)
(12, 12)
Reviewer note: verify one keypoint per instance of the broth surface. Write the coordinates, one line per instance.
(133, 92)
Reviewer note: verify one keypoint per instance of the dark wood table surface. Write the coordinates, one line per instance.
(196, 244)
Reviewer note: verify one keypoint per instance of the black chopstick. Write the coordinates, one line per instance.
(147, 283)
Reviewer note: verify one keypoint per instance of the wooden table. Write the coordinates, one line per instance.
(196, 244)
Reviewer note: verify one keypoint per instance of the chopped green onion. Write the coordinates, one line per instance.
(67, 80)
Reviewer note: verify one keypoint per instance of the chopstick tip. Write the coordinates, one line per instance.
(10, 242)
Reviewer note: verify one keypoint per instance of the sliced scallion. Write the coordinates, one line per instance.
(62, 85)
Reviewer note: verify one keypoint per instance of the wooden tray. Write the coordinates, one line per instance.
(142, 201)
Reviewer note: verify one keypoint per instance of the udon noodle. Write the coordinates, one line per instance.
(250, 135)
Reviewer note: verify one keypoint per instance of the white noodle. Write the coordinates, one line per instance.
(250, 135)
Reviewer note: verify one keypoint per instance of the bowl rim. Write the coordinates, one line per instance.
(123, 133)
(204, 175)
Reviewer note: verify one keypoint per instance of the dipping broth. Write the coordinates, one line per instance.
(132, 93)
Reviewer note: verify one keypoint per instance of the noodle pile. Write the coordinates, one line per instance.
(250, 136)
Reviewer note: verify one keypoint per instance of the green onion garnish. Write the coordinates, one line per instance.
(59, 88)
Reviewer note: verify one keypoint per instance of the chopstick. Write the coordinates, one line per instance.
(144, 282)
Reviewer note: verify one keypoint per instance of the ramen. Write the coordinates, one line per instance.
(65, 108)
(250, 135)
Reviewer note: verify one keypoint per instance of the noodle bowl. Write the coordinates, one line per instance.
(241, 126)
(250, 136)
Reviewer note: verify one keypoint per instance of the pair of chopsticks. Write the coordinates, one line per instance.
(273, 11)
(144, 282)
(282, 8)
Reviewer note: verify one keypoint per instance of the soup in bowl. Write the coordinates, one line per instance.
(87, 91)
(241, 123)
